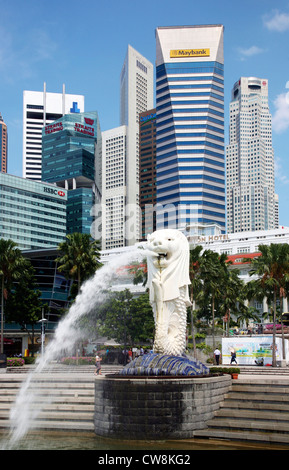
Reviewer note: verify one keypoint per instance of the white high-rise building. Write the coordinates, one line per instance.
(250, 159)
(40, 108)
(113, 231)
(136, 96)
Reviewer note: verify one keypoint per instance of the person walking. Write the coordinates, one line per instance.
(233, 357)
(217, 354)
(97, 365)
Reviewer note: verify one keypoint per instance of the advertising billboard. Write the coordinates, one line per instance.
(252, 349)
(80, 123)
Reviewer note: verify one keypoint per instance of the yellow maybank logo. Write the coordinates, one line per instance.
(189, 53)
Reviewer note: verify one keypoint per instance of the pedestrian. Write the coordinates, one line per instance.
(233, 357)
(129, 355)
(217, 354)
(97, 365)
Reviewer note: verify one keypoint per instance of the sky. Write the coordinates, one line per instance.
(83, 45)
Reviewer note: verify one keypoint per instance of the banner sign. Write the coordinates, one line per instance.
(180, 53)
(250, 349)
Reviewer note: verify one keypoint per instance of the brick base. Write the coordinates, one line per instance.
(156, 407)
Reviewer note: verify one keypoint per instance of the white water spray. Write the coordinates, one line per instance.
(66, 336)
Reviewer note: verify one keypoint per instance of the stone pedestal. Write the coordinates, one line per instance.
(156, 407)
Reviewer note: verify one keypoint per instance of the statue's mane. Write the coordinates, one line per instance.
(175, 274)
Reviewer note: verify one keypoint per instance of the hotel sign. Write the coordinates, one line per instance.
(212, 238)
(180, 53)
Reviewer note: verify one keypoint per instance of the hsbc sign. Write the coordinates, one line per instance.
(53, 191)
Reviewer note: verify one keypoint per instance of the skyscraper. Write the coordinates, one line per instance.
(33, 214)
(136, 96)
(147, 177)
(71, 155)
(113, 187)
(250, 159)
(3, 146)
(190, 126)
(41, 108)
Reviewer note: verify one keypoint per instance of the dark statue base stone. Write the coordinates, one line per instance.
(157, 397)
(164, 365)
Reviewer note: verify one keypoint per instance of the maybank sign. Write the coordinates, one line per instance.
(180, 53)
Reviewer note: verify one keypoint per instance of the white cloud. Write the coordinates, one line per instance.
(18, 59)
(250, 51)
(278, 22)
(279, 172)
(280, 119)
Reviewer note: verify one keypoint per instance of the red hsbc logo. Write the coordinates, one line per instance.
(61, 193)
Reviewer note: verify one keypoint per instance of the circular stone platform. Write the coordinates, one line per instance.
(156, 407)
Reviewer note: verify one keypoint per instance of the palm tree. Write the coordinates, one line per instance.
(79, 257)
(195, 264)
(247, 314)
(233, 295)
(272, 267)
(212, 272)
(12, 267)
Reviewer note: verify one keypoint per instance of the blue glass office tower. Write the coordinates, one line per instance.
(33, 213)
(71, 156)
(190, 126)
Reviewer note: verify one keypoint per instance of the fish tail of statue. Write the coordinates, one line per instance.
(170, 328)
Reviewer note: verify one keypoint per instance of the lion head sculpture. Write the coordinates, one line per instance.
(168, 256)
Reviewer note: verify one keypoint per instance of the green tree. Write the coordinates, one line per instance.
(142, 320)
(213, 271)
(126, 319)
(272, 269)
(195, 263)
(139, 272)
(246, 315)
(12, 267)
(24, 305)
(233, 295)
(79, 258)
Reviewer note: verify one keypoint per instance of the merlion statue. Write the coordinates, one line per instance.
(168, 259)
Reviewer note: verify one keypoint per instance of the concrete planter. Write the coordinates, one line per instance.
(156, 407)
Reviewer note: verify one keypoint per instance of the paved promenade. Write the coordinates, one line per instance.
(255, 411)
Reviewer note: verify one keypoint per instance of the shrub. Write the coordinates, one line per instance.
(29, 360)
(225, 370)
(78, 361)
(15, 362)
(200, 335)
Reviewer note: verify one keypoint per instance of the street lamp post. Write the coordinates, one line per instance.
(125, 352)
(43, 326)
